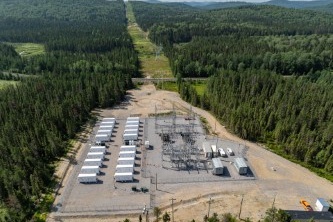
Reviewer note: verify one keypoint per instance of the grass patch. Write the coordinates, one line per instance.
(169, 86)
(5, 83)
(152, 66)
(200, 87)
(28, 49)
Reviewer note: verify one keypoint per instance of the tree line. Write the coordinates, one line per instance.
(93, 38)
(88, 63)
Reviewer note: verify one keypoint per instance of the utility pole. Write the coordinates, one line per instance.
(240, 208)
(273, 219)
(209, 202)
(172, 199)
(156, 181)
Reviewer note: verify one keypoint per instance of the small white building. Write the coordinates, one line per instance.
(95, 155)
(124, 168)
(207, 149)
(241, 166)
(90, 169)
(133, 122)
(322, 204)
(134, 118)
(106, 128)
(128, 137)
(123, 177)
(93, 162)
(214, 150)
(147, 146)
(87, 178)
(222, 152)
(217, 166)
(128, 148)
(104, 131)
(131, 131)
(126, 154)
(102, 138)
(126, 161)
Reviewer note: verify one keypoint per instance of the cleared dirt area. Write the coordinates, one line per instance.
(278, 180)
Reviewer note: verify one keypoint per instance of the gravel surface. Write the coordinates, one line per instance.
(278, 181)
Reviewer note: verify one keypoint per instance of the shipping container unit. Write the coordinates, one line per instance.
(95, 155)
(126, 161)
(222, 152)
(147, 146)
(132, 127)
(124, 168)
(87, 178)
(106, 128)
(128, 148)
(102, 138)
(322, 205)
(128, 137)
(93, 162)
(109, 119)
(104, 131)
(217, 166)
(131, 131)
(90, 169)
(98, 149)
(215, 152)
(123, 177)
(207, 149)
(241, 166)
(230, 152)
(133, 119)
(131, 123)
(126, 154)
(109, 123)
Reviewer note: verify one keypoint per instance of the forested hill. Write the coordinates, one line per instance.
(247, 52)
(327, 8)
(96, 29)
(88, 62)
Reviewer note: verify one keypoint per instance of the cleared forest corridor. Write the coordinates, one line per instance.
(151, 66)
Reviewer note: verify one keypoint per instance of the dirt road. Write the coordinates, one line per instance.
(279, 181)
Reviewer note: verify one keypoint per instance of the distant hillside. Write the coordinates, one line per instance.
(217, 5)
(320, 5)
(298, 4)
(327, 8)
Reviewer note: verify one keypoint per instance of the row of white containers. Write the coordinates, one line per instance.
(104, 132)
(125, 164)
(95, 156)
(91, 164)
(131, 131)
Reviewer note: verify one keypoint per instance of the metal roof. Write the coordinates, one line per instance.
(240, 162)
(307, 215)
(217, 162)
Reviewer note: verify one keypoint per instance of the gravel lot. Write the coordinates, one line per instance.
(276, 179)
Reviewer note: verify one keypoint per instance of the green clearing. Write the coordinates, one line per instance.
(200, 87)
(169, 86)
(150, 65)
(28, 49)
(6, 83)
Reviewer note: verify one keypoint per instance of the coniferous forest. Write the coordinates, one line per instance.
(269, 68)
(88, 62)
